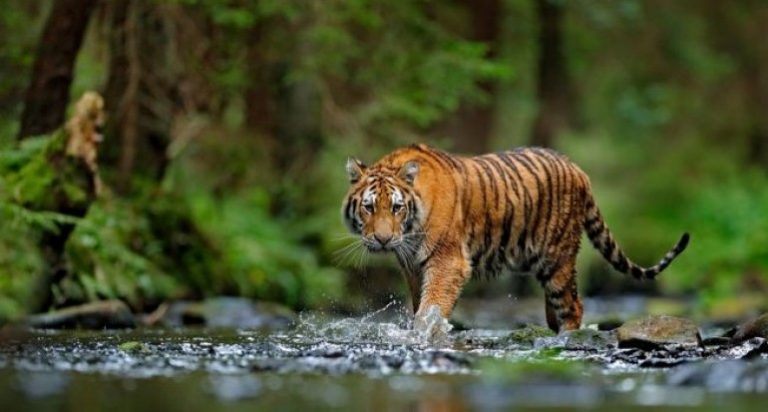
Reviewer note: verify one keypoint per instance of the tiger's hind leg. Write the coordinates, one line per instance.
(563, 306)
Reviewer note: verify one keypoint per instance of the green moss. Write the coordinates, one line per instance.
(527, 335)
(132, 347)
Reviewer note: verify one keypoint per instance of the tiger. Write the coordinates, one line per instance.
(450, 218)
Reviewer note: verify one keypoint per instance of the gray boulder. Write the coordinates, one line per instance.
(654, 331)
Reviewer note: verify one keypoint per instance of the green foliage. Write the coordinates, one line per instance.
(729, 256)
(19, 25)
(20, 260)
(264, 256)
(669, 101)
(114, 254)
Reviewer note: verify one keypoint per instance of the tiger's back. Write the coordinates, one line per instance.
(522, 210)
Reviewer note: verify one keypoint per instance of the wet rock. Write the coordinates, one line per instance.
(661, 357)
(526, 336)
(716, 341)
(609, 323)
(724, 376)
(482, 339)
(582, 339)
(108, 314)
(228, 312)
(758, 351)
(754, 328)
(655, 331)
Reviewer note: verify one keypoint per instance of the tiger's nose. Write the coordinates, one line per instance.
(382, 239)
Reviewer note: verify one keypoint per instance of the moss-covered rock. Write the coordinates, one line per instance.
(581, 339)
(527, 336)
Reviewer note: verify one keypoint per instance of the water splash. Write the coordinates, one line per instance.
(433, 327)
(367, 330)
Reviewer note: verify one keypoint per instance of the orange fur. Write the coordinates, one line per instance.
(449, 218)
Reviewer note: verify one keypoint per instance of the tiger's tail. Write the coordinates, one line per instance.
(603, 241)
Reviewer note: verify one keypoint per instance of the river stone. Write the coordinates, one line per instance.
(580, 339)
(527, 336)
(754, 328)
(657, 330)
(229, 312)
(108, 314)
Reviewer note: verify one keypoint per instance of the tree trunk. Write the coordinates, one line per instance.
(48, 92)
(553, 86)
(260, 93)
(472, 125)
(139, 95)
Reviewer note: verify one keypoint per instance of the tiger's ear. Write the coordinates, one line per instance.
(355, 169)
(409, 171)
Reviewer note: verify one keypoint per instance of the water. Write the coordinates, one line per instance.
(370, 362)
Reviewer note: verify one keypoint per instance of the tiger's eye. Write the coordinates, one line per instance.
(368, 207)
(396, 207)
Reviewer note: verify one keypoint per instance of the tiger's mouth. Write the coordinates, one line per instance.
(378, 245)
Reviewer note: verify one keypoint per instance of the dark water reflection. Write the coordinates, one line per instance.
(200, 391)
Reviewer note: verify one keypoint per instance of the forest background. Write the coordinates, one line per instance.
(229, 123)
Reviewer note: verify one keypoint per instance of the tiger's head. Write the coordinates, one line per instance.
(382, 205)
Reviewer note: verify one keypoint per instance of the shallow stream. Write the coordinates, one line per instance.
(367, 363)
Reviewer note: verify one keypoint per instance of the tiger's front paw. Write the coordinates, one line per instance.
(432, 326)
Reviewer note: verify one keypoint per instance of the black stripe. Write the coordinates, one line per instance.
(516, 179)
(548, 173)
(448, 158)
(347, 210)
(573, 204)
(488, 245)
(555, 294)
(489, 172)
(443, 159)
(594, 232)
(560, 191)
(608, 249)
(487, 218)
(525, 198)
(623, 264)
(534, 223)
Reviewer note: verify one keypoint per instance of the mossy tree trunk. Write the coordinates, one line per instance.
(59, 179)
(48, 93)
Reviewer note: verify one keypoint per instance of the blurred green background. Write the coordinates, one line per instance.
(230, 123)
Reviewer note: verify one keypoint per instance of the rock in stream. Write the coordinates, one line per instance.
(656, 331)
(754, 328)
